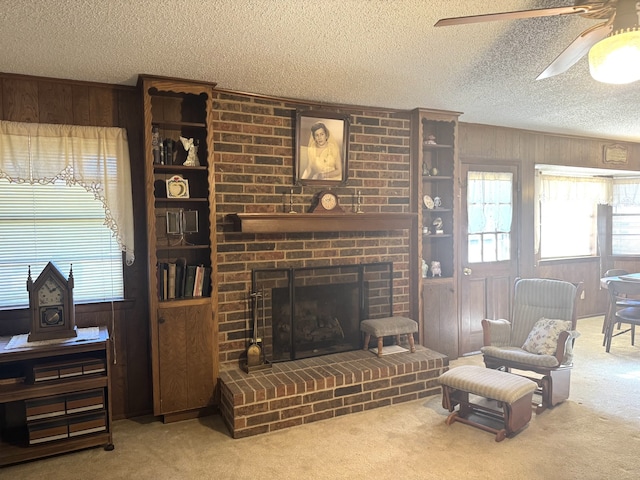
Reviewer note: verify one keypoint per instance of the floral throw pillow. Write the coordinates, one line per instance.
(543, 338)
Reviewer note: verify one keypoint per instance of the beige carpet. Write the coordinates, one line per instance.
(594, 435)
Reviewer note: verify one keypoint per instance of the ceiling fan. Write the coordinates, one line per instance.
(621, 17)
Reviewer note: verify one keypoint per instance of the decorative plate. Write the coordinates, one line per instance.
(428, 202)
(177, 187)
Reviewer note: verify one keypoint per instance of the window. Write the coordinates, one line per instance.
(625, 238)
(65, 196)
(64, 224)
(489, 207)
(568, 214)
(566, 220)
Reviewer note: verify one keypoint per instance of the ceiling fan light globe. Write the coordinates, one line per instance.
(616, 59)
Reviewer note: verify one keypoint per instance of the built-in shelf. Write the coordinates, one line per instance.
(435, 146)
(436, 280)
(436, 178)
(321, 222)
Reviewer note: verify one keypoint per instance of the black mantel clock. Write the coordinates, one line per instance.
(51, 305)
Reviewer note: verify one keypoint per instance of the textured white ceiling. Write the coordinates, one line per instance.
(363, 52)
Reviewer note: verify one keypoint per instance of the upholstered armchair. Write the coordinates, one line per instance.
(538, 338)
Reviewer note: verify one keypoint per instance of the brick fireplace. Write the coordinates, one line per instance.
(310, 333)
(310, 311)
(254, 163)
(304, 391)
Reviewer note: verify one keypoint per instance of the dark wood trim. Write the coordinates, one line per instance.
(310, 222)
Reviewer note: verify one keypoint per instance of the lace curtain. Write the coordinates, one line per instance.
(96, 158)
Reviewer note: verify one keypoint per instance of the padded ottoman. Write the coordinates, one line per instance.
(513, 392)
(388, 326)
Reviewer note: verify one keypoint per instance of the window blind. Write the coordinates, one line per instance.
(61, 223)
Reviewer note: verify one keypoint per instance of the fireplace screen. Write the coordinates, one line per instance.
(311, 311)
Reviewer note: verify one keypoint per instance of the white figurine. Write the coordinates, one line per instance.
(437, 224)
(192, 150)
(436, 271)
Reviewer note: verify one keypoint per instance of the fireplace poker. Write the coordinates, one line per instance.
(254, 351)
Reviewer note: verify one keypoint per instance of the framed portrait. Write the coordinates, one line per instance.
(322, 148)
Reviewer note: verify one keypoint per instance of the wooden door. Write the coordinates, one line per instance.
(440, 331)
(488, 247)
(185, 351)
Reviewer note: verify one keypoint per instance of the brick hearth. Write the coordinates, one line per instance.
(304, 391)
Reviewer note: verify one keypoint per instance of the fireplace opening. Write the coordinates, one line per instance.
(312, 311)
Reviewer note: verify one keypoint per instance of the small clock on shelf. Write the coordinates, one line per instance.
(51, 305)
(326, 202)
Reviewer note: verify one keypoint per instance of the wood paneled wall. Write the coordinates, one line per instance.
(254, 165)
(40, 100)
(489, 144)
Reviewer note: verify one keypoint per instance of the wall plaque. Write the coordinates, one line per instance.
(615, 154)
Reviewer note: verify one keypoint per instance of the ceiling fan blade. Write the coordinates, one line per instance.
(577, 49)
(541, 12)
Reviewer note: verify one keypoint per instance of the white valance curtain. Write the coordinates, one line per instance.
(96, 158)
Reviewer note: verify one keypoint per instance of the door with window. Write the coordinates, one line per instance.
(488, 248)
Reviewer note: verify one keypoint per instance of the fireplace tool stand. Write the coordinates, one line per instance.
(256, 360)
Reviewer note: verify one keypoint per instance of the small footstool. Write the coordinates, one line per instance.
(388, 326)
(512, 391)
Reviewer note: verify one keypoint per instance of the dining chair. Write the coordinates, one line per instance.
(612, 272)
(622, 313)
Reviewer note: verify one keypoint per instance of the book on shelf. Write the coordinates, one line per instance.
(181, 272)
(163, 281)
(197, 284)
(206, 282)
(159, 279)
(189, 280)
(171, 282)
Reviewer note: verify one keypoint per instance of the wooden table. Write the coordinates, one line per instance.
(607, 324)
(631, 277)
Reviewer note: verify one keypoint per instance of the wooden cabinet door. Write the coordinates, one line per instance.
(440, 317)
(185, 351)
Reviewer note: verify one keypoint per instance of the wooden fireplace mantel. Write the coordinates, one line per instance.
(321, 222)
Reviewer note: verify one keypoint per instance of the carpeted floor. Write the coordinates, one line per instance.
(593, 435)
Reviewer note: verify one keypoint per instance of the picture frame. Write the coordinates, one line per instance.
(182, 221)
(177, 187)
(327, 163)
(174, 223)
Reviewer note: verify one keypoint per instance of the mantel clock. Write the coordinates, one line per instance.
(51, 305)
(325, 202)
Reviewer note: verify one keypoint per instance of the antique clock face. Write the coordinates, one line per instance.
(329, 201)
(50, 293)
(326, 202)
